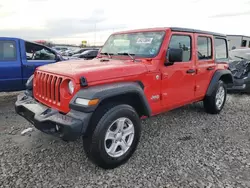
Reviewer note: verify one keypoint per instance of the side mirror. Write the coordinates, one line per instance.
(174, 55)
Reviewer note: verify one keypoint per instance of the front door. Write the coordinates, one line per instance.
(10, 65)
(205, 63)
(35, 56)
(178, 80)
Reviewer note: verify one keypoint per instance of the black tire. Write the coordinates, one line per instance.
(210, 101)
(94, 143)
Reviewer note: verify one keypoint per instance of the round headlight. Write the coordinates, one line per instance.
(71, 87)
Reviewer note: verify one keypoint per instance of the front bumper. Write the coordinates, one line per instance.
(241, 85)
(68, 127)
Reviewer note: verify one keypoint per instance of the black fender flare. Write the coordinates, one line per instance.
(225, 75)
(106, 91)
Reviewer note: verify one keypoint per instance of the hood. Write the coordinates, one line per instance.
(95, 69)
(239, 68)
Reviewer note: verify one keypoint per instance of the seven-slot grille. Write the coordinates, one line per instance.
(47, 87)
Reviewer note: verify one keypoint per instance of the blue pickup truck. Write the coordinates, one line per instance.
(19, 59)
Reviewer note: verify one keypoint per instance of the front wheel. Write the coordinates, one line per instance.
(115, 136)
(214, 104)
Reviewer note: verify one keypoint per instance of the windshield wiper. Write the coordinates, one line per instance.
(108, 54)
(130, 55)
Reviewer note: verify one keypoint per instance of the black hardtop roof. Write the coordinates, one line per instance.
(180, 29)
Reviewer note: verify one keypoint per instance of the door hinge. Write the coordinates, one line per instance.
(164, 75)
(196, 88)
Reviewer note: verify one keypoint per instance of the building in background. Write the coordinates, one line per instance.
(238, 41)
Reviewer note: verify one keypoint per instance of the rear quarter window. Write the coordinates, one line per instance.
(8, 51)
(220, 48)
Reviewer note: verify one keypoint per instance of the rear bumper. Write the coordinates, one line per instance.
(68, 127)
(241, 85)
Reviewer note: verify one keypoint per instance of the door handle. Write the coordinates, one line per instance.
(190, 71)
(210, 68)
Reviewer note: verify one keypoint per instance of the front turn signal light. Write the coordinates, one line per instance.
(93, 102)
(86, 102)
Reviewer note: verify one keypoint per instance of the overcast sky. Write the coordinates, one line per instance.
(76, 20)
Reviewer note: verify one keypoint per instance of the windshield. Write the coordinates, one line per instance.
(140, 44)
(85, 52)
(77, 51)
(239, 54)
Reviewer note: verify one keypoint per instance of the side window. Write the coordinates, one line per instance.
(220, 48)
(90, 53)
(243, 43)
(183, 42)
(37, 52)
(95, 53)
(204, 45)
(8, 51)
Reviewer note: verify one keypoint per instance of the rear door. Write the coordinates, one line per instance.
(33, 56)
(10, 65)
(205, 63)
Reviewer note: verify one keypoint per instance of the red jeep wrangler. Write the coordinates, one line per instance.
(138, 73)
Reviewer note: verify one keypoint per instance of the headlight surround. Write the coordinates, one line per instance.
(71, 87)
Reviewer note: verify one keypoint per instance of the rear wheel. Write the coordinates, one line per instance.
(114, 136)
(214, 104)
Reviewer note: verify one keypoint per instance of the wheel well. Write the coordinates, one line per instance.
(131, 99)
(227, 78)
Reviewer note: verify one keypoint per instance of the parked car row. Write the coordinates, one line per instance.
(70, 51)
(87, 54)
(60, 49)
(81, 50)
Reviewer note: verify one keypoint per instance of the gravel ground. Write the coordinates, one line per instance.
(182, 148)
